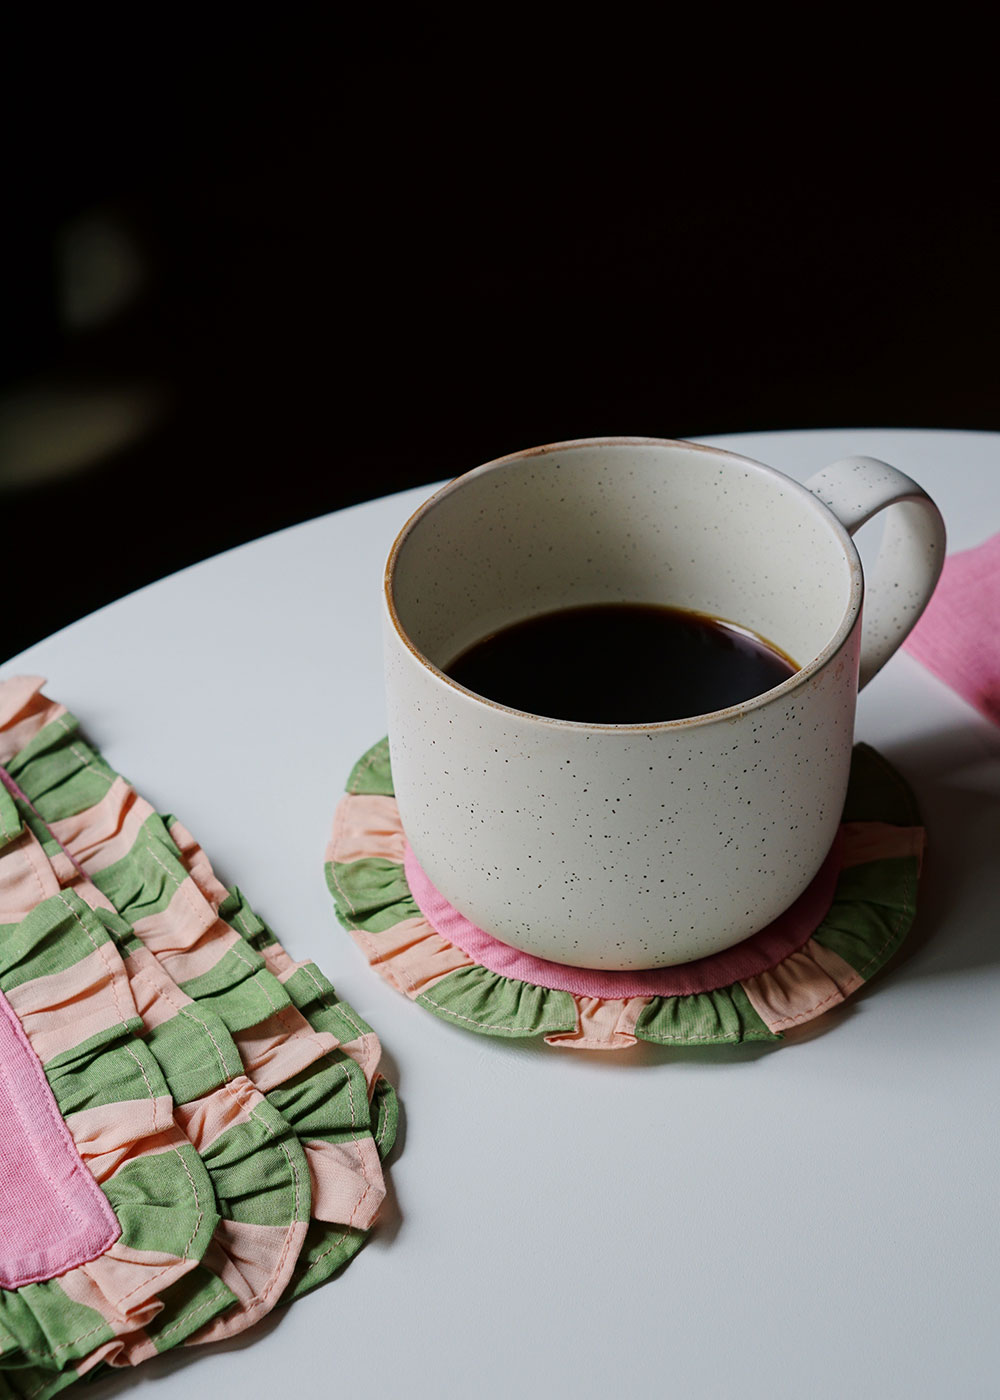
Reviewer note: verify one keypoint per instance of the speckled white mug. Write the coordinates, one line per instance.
(641, 845)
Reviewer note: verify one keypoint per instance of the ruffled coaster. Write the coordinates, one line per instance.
(836, 936)
(196, 1122)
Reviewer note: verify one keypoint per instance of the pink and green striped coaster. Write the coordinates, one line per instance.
(194, 1123)
(837, 935)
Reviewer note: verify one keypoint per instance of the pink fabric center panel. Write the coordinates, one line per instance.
(755, 955)
(55, 1215)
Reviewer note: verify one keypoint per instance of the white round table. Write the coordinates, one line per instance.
(816, 1219)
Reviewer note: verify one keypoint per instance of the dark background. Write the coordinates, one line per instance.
(252, 275)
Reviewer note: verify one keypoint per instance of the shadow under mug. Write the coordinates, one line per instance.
(632, 846)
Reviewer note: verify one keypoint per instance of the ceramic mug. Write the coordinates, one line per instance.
(628, 846)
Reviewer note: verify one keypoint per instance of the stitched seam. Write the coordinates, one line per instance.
(408, 986)
(369, 1183)
(101, 949)
(186, 1317)
(164, 989)
(354, 1124)
(492, 1024)
(835, 996)
(331, 1002)
(839, 995)
(19, 795)
(338, 826)
(385, 1120)
(382, 965)
(92, 833)
(398, 978)
(179, 882)
(64, 1346)
(372, 757)
(74, 1165)
(910, 890)
(320, 1257)
(190, 1011)
(194, 1233)
(185, 888)
(44, 1355)
(730, 1038)
(64, 724)
(262, 1298)
(286, 1034)
(238, 951)
(354, 1116)
(26, 851)
(343, 893)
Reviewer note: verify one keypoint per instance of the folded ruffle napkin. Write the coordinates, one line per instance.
(193, 1123)
(953, 637)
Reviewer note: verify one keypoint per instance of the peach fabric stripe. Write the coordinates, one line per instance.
(207, 1118)
(120, 1351)
(364, 1049)
(347, 1181)
(187, 937)
(65, 871)
(107, 1136)
(277, 1049)
(110, 1163)
(256, 1266)
(157, 997)
(181, 926)
(90, 894)
(185, 964)
(411, 955)
(93, 994)
(198, 865)
(366, 1052)
(244, 1257)
(16, 694)
(865, 841)
(124, 1285)
(813, 979)
(279, 963)
(366, 826)
(602, 1024)
(55, 1215)
(24, 712)
(104, 833)
(26, 878)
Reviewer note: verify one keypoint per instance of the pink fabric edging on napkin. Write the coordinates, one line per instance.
(755, 955)
(55, 1214)
(955, 637)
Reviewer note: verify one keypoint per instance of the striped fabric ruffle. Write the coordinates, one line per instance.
(197, 1122)
(834, 939)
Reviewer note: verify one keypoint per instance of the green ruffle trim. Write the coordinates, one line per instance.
(872, 911)
(256, 1171)
(164, 1201)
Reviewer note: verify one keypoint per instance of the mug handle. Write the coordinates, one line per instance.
(911, 556)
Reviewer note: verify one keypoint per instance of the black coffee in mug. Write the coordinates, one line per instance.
(621, 663)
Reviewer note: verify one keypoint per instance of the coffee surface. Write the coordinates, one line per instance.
(621, 663)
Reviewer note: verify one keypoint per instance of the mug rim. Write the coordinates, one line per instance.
(756, 702)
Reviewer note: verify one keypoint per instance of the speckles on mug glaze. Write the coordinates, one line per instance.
(626, 846)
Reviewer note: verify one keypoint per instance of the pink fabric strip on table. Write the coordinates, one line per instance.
(956, 636)
(55, 1214)
(755, 955)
